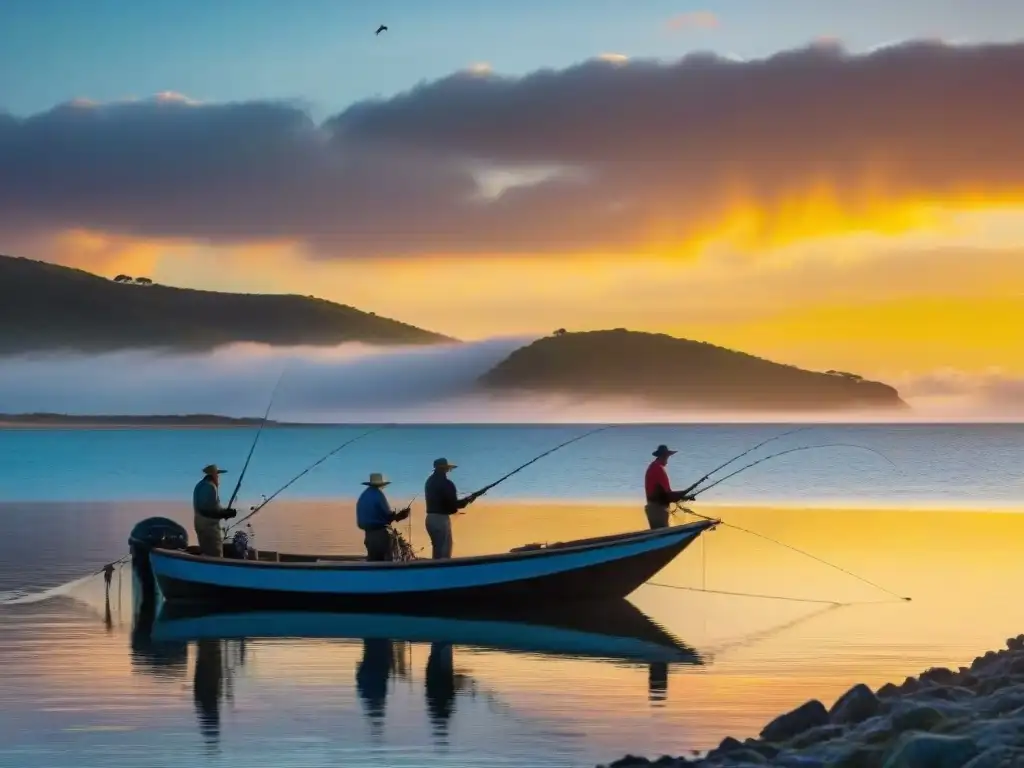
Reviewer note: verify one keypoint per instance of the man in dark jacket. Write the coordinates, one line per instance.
(442, 501)
(207, 512)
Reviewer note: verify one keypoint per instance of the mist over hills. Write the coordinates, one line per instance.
(142, 350)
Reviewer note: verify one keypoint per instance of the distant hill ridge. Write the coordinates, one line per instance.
(667, 371)
(44, 306)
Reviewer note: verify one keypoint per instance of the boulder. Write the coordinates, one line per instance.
(926, 750)
(916, 717)
(855, 706)
(803, 718)
(998, 757)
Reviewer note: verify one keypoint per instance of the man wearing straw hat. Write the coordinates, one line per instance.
(442, 500)
(208, 512)
(659, 490)
(374, 515)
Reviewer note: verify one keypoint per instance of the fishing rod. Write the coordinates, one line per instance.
(284, 487)
(783, 544)
(486, 488)
(719, 468)
(263, 423)
(794, 450)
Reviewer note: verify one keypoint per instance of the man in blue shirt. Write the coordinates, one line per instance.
(208, 512)
(374, 515)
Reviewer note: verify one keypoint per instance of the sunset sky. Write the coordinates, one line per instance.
(831, 184)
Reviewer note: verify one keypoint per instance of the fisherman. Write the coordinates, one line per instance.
(374, 515)
(658, 489)
(209, 512)
(442, 500)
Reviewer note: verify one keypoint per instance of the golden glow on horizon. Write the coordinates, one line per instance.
(821, 280)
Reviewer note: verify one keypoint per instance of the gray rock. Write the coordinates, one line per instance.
(946, 693)
(939, 675)
(800, 761)
(926, 750)
(998, 733)
(888, 690)
(770, 751)
(998, 757)
(1006, 700)
(629, 761)
(916, 718)
(803, 718)
(746, 757)
(729, 744)
(815, 736)
(858, 757)
(854, 706)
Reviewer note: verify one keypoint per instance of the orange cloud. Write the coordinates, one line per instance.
(693, 20)
(107, 254)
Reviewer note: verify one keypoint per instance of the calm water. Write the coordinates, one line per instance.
(78, 688)
(938, 466)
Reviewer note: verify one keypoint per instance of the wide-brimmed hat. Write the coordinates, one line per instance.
(443, 463)
(213, 469)
(377, 480)
(663, 450)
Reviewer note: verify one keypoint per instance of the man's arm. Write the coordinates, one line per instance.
(389, 515)
(210, 506)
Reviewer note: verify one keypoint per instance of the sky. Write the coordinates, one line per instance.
(828, 184)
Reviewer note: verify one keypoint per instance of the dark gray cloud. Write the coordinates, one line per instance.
(655, 147)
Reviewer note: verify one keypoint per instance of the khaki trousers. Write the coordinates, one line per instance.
(211, 539)
(439, 529)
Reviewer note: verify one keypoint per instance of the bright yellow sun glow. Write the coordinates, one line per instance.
(822, 279)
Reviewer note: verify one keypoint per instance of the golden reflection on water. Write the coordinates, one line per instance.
(962, 569)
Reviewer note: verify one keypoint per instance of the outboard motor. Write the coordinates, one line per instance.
(148, 534)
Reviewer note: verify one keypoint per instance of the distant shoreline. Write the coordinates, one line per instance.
(189, 421)
(38, 421)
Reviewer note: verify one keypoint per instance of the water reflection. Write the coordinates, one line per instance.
(616, 631)
(382, 658)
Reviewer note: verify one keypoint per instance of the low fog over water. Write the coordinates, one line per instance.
(359, 383)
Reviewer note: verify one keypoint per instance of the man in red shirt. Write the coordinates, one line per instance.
(659, 490)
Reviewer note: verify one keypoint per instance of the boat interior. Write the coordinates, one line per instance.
(270, 556)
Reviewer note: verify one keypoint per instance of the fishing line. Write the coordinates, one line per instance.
(740, 456)
(486, 488)
(769, 597)
(259, 432)
(284, 487)
(795, 450)
(798, 551)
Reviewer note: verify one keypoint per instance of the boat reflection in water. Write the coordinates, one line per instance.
(615, 631)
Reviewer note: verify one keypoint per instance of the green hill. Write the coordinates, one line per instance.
(667, 371)
(48, 307)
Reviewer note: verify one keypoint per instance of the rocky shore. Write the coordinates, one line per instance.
(969, 718)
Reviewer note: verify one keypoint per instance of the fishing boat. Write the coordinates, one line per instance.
(614, 631)
(594, 569)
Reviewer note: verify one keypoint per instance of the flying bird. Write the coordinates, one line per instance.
(381, 28)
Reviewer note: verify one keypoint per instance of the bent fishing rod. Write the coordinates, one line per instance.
(263, 423)
(793, 450)
(520, 468)
(719, 468)
(783, 544)
(313, 466)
